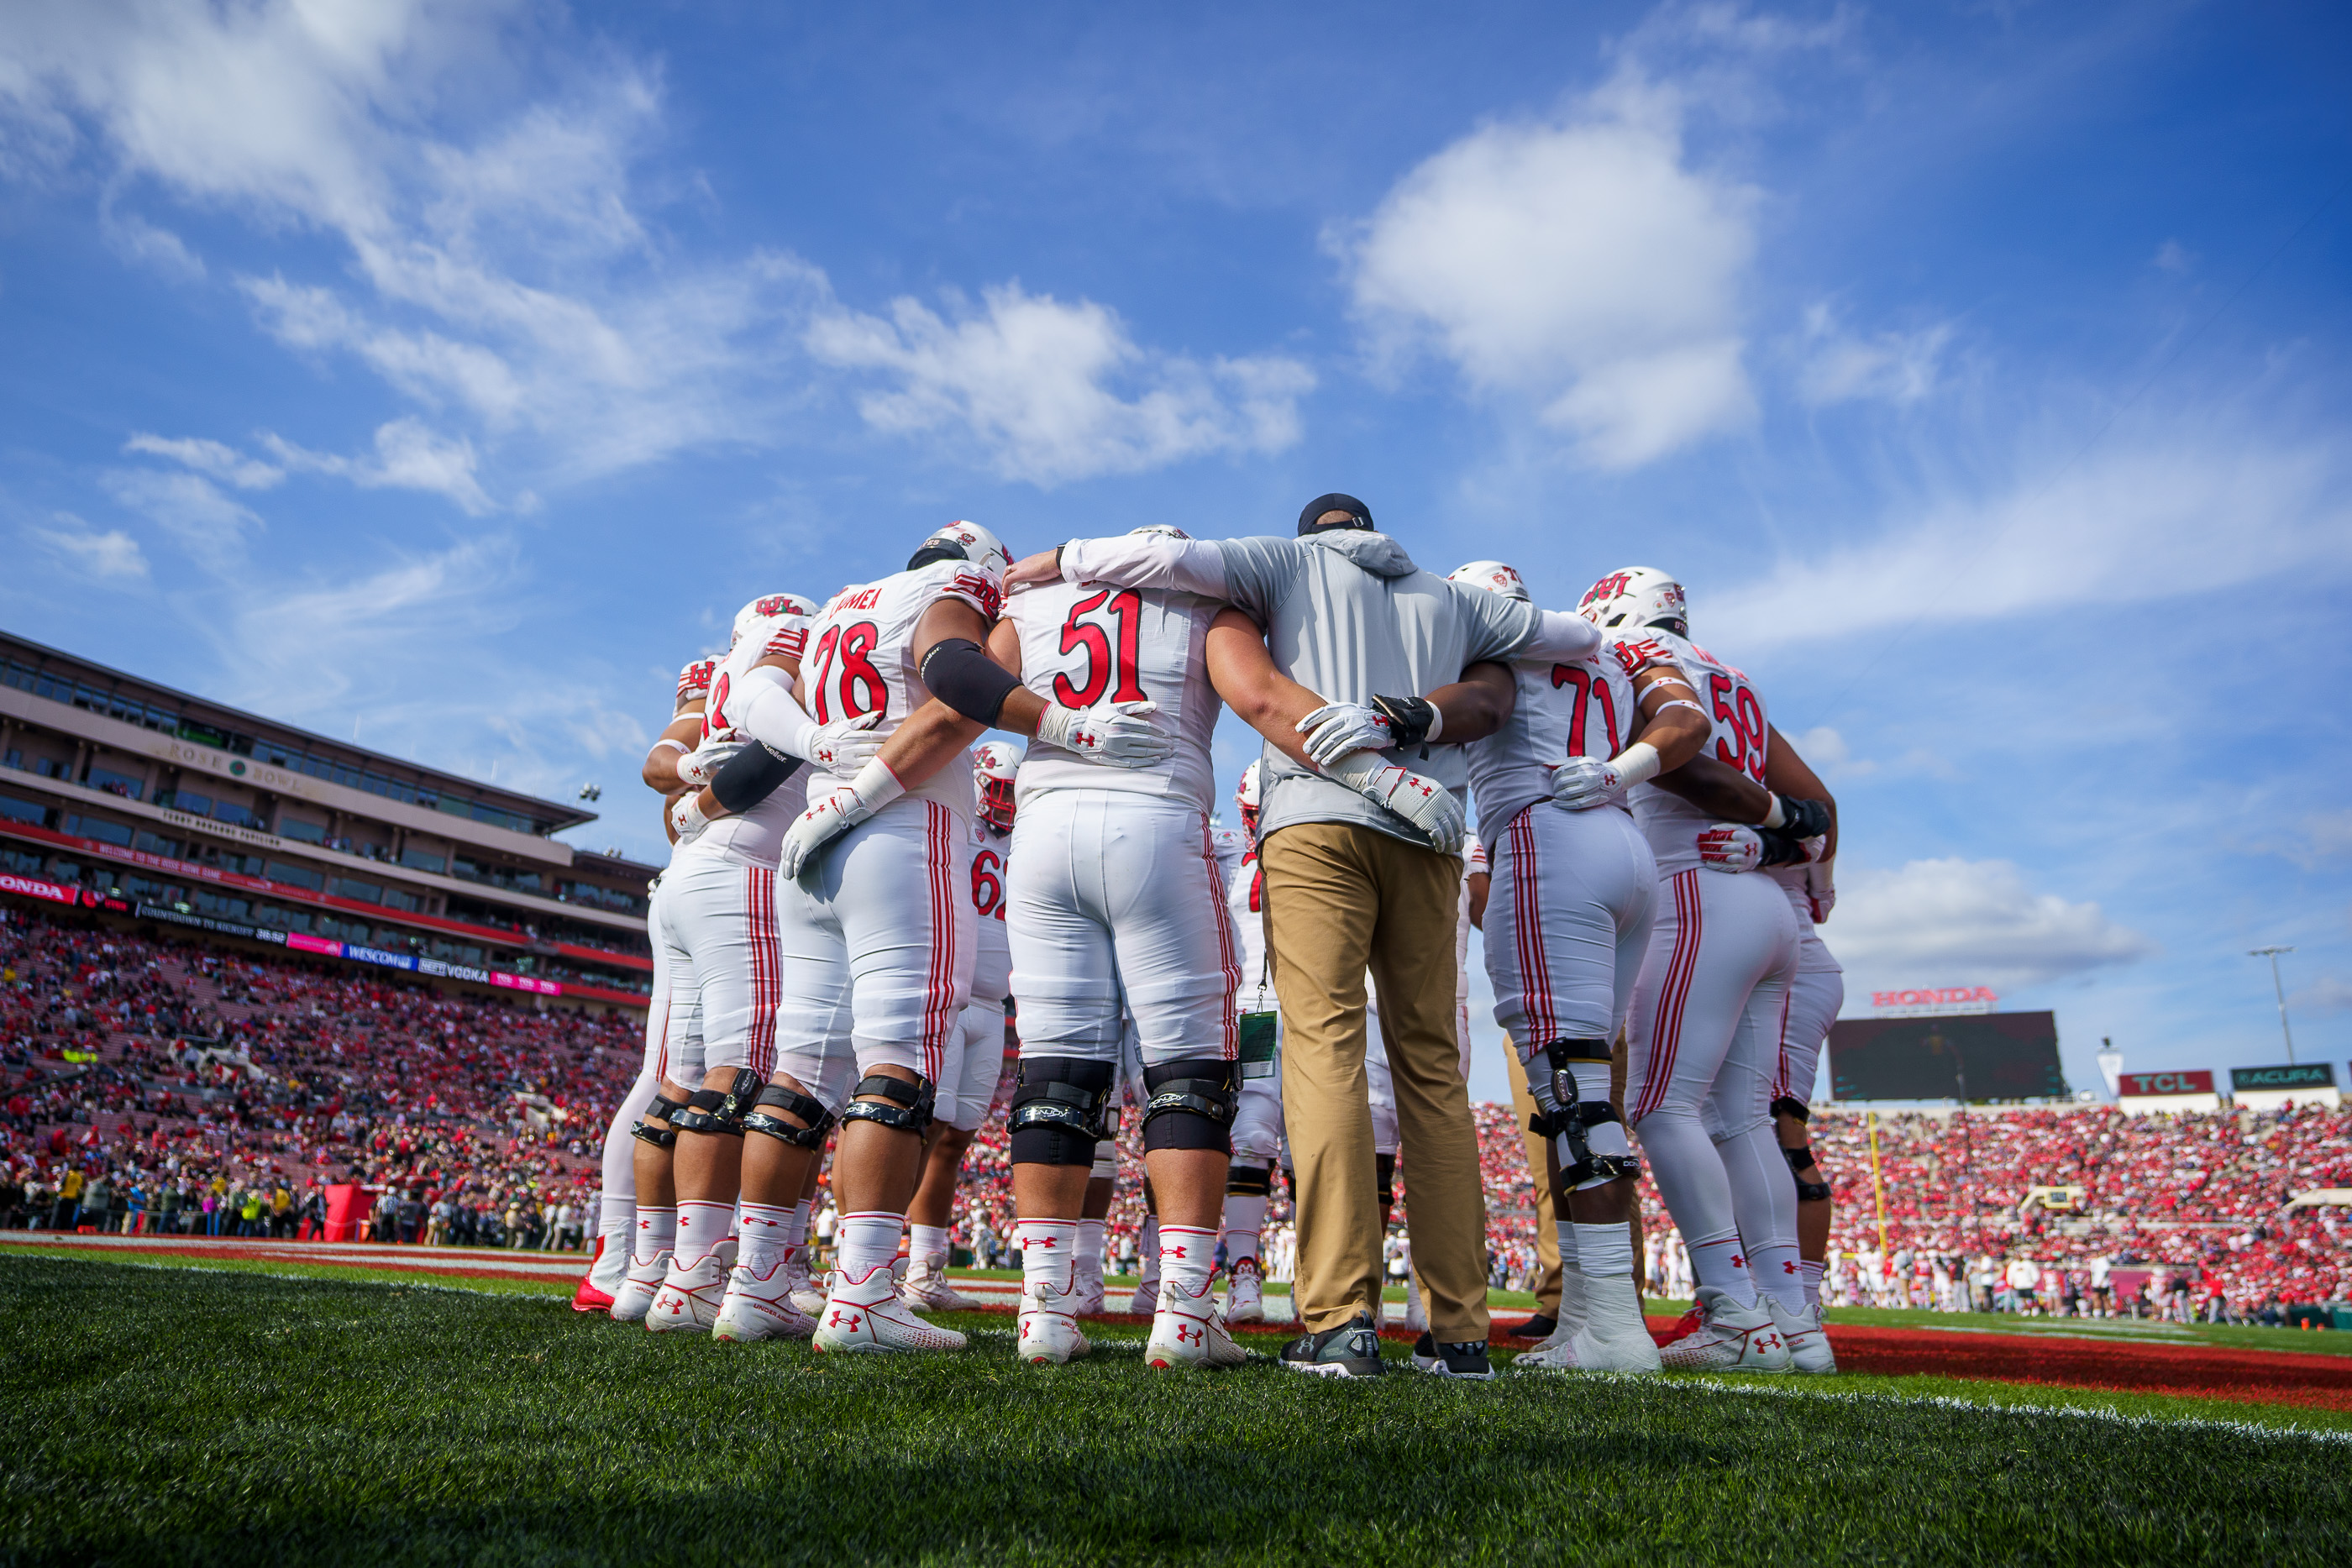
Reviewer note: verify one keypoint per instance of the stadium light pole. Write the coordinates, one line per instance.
(2278, 991)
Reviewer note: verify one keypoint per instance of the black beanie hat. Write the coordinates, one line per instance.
(1359, 516)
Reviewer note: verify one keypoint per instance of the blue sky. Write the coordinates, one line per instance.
(447, 374)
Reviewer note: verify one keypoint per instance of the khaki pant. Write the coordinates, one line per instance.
(1539, 1175)
(1340, 899)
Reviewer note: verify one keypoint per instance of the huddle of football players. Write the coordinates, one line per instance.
(866, 913)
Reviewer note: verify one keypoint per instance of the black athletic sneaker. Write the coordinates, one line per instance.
(1466, 1358)
(1537, 1327)
(1351, 1349)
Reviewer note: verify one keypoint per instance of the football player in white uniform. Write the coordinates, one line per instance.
(719, 937)
(1567, 924)
(1118, 912)
(975, 1054)
(637, 1144)
(877, 944)
(1705, 1021)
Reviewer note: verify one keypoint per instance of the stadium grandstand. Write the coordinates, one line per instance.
(136, 800)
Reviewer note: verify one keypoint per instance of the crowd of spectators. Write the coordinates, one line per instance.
(152, 1082)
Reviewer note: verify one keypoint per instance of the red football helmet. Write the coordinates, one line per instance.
(994, 764)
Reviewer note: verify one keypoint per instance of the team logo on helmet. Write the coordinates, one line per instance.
(995, 765)
(976, 545)
(694, 682)
(767, 607)
(1638, 596)
(1163, 530)
(1245, 799)
(1494, 577)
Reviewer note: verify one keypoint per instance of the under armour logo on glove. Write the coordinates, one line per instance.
(1116, 734)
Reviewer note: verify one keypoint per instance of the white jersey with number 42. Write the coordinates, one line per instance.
(1083, 644)
(1740, 740)
(861, 660)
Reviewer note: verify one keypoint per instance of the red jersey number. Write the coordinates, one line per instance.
(1123, 613)
(847, 653)
(988, 883)
(1587, 690)
(713, 711)
(1735, 705)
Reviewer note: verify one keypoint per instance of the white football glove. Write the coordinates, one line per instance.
(1114, 734)
(694, 768)
(846, 745)
(1581, 783)
(849, 804)
(1336, 729)
(1422, 802)
(1727, 846)
(685, 816)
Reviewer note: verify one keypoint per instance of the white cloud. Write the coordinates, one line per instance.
(1961, 922)
(2171, 257)
(1892, 367)
(2198, 511)
(1037, 383)
(1580, 269)
(408, 456)
(210, 525)
(110, 557)
(137, 241)
(2330, 833)
(2324, 998)
(222, 461)
(1826, 752)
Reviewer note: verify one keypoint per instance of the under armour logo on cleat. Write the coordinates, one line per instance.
(1189, 1336)
(835, 1321)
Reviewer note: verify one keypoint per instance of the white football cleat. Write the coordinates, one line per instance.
(866, 1315)
(639, 1286)
(1188, 1332)
(1146, 1299)
(926, 1289)
(688, 1299)
(1809, 1346)
(1613, 1338)
(1244, 1294)
(1570, 1317)
(758, 1308)
(807, 1297)
(1049, 1327)
(609, 1269)
(1087, 1298)
(1729, 1338)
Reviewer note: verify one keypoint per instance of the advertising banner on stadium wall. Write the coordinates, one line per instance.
(31, 887)
(2306, 1075)
(2134, 1086)
(303, 942)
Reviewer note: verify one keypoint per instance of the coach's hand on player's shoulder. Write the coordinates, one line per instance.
(1336, 729)
(1116, 734)
(1046, 566)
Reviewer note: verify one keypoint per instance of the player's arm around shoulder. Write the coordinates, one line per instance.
(1244, 675)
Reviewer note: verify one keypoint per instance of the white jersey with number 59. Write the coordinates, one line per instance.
(1740, 740)
(861, 660)
(1085, 643)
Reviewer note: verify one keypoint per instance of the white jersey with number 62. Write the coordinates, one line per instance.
(1085, 643)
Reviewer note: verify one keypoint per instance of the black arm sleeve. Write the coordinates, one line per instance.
(959, 672)
(750, 777)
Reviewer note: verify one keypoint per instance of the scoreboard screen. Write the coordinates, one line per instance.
(1963, 1055)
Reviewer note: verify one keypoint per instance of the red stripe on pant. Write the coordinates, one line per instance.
(1666, 1028)
(1229, 961)
(938, 1008)
(1534, 973)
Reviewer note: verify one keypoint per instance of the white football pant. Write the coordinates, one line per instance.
(1567, 923)
(1815, 994)
(718, 924)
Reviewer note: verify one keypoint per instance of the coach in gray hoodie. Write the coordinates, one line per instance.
(1374, 684)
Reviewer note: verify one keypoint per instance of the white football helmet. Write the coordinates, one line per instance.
(1246, 798)
(1637, 597)
(976, 545)
(994, 763)
(1165, 530)
(766, 607)
(1494, 577)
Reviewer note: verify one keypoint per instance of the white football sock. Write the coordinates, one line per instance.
(1090, 1248)
(868, 1240)
(1810, 1272)
(1571, 1314)
(796, 1227)
(928, 1241)
(1778, 1274)
(765, 1226)
(1047, 1248)
(616, 1221)
(1720, 1264)
(1189, 1255)
(701, 1227)
(1604, 1252)
(1245, 1217)
(657, 1232)
(1151, 1265)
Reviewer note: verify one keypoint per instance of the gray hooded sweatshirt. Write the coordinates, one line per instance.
(1346, 614)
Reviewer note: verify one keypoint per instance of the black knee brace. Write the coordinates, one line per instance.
(720, 1112)
(654, 1127)
(909, 1107)
(1057, 1110)
(1571, 1118)
(1789, 1105)
(1249, 1181)
(1812, 1192)
(808, 1108)
(1385, 1175)
(1801, 1160)
(1193, 1105)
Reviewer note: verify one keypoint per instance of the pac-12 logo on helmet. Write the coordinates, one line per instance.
(1493, 576)
(1637, 597)
(1246, 798)
(994, 764)
(767, 607)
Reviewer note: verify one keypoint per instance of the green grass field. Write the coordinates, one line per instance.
(224, 1416)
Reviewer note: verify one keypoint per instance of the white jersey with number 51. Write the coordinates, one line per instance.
(1087, 644)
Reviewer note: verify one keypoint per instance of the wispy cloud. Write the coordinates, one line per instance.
(112, 557)
(407, 456)
(1839, 366)
(1954, 922)
(210, 526)
(216, 458)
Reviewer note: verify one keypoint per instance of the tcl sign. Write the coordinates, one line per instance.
(2134, 1083)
